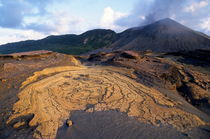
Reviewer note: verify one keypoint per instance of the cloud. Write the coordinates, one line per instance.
(14, 35)
(40, 5)
(12, 13)
(205, 25)
(196, 5)
(57, 23)
(109, 17)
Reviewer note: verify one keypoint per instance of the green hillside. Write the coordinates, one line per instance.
(69, 44)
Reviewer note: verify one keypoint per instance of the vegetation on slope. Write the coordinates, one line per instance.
(69, 44)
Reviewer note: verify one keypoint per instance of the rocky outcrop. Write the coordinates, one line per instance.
(40, 94)
(19, 124)
(53, 98)
(154, 71)
(13, 72)
(69, 122)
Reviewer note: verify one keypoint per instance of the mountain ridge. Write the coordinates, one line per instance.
(68, 43)
(165, 35)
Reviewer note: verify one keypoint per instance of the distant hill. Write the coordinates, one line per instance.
(165, 35)
(69, 44)
(162, 36)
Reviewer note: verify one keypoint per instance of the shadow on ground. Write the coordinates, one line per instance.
(112, 124)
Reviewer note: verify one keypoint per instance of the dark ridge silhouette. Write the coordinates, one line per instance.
(69, 44)
(165, 35)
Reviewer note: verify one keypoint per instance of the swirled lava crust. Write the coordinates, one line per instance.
(52, 99)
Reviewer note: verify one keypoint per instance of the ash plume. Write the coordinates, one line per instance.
(160, 9)
(151, 11)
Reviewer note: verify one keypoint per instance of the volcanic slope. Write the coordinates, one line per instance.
(53, 98)
(165, 35)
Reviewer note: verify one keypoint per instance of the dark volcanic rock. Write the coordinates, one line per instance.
(153, 71)
(162, 36)
(130, 54)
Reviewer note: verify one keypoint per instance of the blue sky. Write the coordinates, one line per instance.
(35, 19)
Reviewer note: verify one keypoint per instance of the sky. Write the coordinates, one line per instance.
(35, 19)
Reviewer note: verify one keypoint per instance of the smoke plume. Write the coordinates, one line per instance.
(160, 9)
(191, 13)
